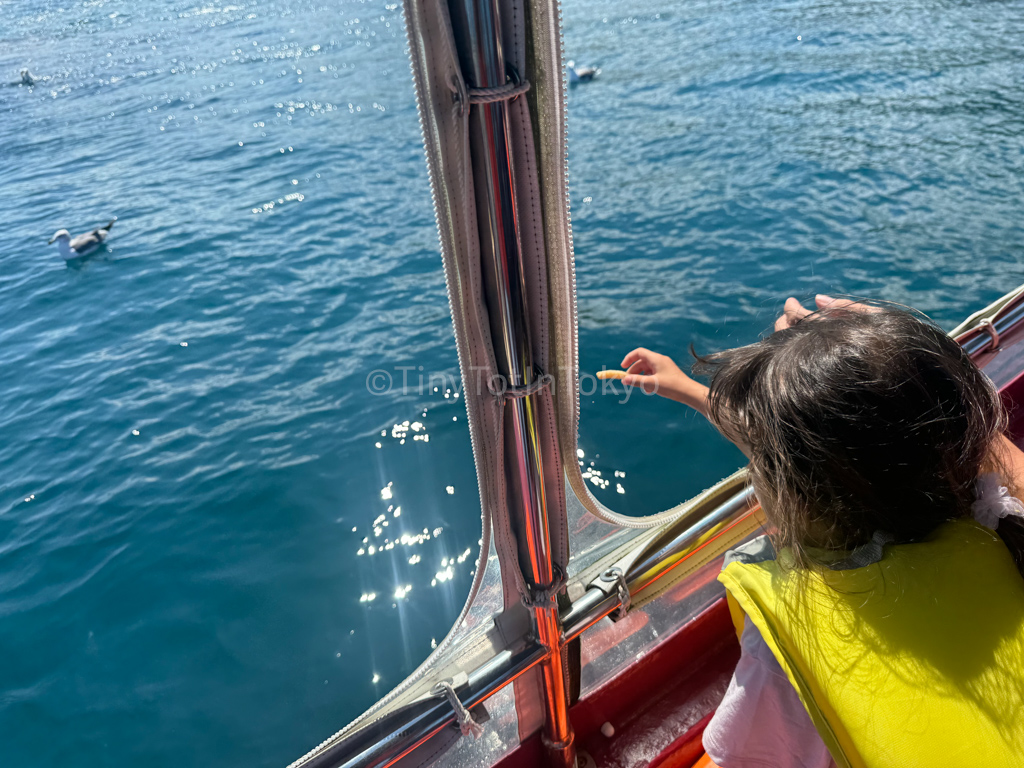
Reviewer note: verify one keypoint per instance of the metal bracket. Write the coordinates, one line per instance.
(990, 328)
(617, 577)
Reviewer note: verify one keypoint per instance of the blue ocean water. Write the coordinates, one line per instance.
(216, 542)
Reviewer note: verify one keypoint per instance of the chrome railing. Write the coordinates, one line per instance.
(595, 604)
(1002, 325)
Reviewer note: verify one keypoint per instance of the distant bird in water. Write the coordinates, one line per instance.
(581, 74)
(82, 245)
(27, 78)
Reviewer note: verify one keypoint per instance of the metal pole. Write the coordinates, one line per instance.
(477, 29)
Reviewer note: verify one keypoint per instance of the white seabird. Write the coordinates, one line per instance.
(81, 245)
(581, 74)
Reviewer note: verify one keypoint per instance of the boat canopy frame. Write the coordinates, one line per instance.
(492, 99)
(491, 91)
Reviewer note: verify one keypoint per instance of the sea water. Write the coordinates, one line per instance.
(237, 500)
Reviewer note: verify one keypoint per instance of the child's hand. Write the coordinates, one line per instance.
(793, 311)
(658, 374)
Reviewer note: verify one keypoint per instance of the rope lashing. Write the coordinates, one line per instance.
(989, 327)
(617, 575)
(463, 95)
(504, 394)
(463, 716)
(541, 597)
(505, 92)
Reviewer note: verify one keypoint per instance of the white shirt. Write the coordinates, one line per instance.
(761, 722)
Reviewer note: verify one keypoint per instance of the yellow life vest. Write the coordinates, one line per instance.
(916, 661)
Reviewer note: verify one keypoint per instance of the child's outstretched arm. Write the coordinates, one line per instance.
(658, 374)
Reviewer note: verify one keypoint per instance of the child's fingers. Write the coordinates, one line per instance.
(642, 367)
(641, 355)
(792, 313)
(795, 310)
(822, 300)
(638, 367)
(636, 379)
(648, 384)
(637, 354)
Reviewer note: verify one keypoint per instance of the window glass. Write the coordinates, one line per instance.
(729, 155)
(224, 535)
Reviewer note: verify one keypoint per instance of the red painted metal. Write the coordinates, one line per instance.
(685, 751)
(679, 682)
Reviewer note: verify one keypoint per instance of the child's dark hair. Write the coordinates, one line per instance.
(859, 420)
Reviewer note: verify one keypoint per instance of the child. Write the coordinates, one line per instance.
(883, 619)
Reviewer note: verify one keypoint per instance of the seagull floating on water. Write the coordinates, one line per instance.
(581, 74)
(83, 245)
